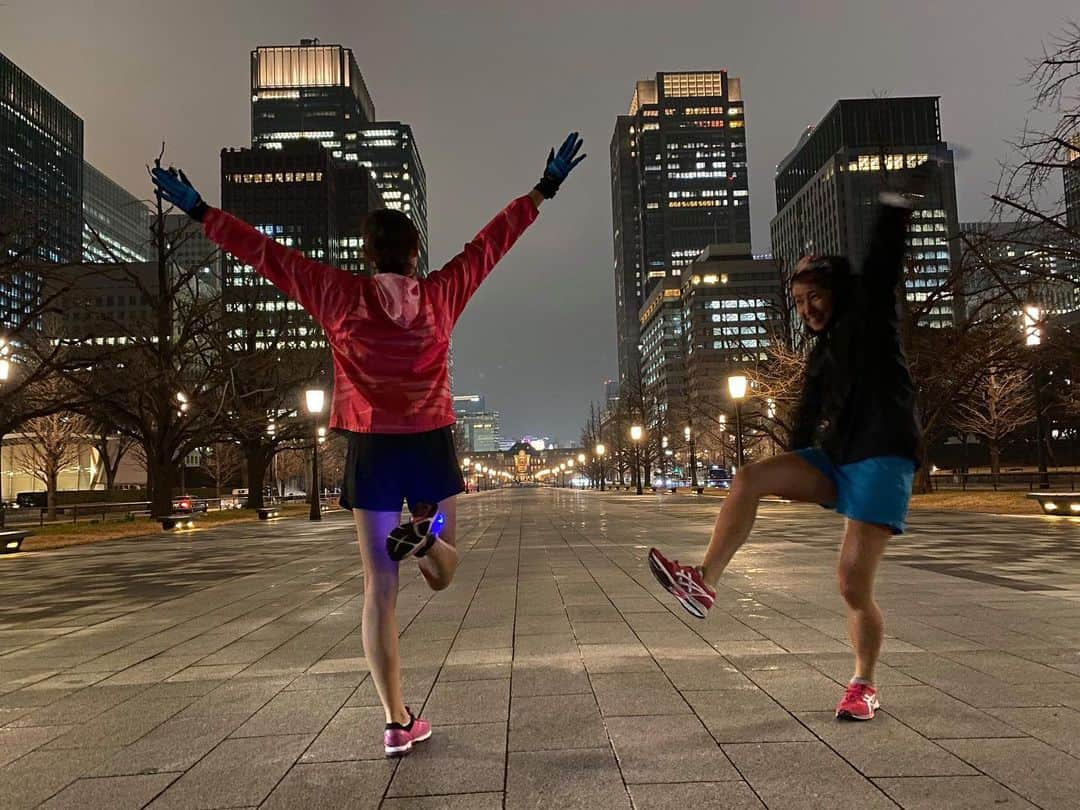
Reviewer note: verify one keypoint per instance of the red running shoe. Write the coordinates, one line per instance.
(858, 703)
(684, 582)
(398, 739)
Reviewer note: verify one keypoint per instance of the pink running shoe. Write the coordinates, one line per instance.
(684, 582)
(859, 702)
(398, 739)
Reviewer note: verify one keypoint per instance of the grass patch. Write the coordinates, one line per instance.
(998, 503)
(61, 535)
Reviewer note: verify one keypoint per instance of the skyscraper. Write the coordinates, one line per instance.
(316, 92)
(729, 301)
(679, 183)
(663, 370)
(388, 149)
(302, 197)
(827, 187)
(41, 182)
(1072, 185)
(480, 427)
(308, 91)
(115, 221)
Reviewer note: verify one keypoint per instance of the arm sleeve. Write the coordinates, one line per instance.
(459, 279)
(807, 414)
(883, 266)
(320, 289)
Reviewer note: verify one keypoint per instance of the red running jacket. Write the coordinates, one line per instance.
(389, 334)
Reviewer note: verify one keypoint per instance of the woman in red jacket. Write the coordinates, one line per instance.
(389, 336)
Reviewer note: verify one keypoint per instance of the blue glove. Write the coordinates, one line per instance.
(560, 165)
(174, 187)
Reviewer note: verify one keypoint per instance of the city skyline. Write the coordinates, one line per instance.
(527, 103)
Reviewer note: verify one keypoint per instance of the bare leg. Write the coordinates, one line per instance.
(379, 626)
(786, 476)
(863, 546)
(441, 561)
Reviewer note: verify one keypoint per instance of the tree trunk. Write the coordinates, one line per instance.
(256, 458)
(995, 460)
(110, 477)
(922, 483)
(50, 488)
(162, 477)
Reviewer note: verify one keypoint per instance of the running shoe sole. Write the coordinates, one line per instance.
(403, 750)
(404, 540)
(846, 715)
(669, 585)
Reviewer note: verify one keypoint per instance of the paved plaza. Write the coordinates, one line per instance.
(223, 668)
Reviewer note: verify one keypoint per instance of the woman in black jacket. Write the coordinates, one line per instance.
(856, 438)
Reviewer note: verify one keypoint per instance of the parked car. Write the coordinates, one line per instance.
(31, 499)
(186, 505)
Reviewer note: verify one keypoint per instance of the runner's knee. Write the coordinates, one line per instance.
(853, 587)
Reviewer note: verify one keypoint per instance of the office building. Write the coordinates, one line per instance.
(316, 92)
(300, 196)
(1071, 174)
(679, 183)
(115, 221)
(730, 302)
(663, 367)
(41, 184)
(827, 189)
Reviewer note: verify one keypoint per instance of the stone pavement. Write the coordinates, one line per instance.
(223, 668)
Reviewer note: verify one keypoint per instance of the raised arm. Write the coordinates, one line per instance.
(456, 282)
(883, 266)
(320, 289)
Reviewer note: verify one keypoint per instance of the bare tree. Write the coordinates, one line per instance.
(1000, 404)
(222, 461)
(52, 445)
(332, 460)
(162, 384)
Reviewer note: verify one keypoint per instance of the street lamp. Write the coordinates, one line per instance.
(722, 419)
(600, 450)
(737, 385)
(315, 399)
(689, 436)
(1033, 339)
(636, 433)
(664, 452)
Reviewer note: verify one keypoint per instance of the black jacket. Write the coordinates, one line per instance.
(858, 397)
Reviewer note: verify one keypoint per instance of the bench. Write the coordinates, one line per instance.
(1058, 503)
(10, 541)
(176, 521)
(267, 512)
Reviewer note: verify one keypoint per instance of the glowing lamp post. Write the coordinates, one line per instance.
(636, 432)
(1033, 339)
(315, 398)
(737, 385)
(600, 450)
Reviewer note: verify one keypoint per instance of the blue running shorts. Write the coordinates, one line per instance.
(874, 490)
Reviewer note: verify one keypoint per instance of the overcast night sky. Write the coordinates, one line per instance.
(488, 87)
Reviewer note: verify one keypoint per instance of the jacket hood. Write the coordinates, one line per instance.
(399, 297)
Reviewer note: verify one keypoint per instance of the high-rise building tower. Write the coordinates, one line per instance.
(316, 92)
(41, 182)
(115, 221)
(1072, 185)
(308, 91)
(388, 149)
(302, 197)
(827, 188)
(679, 183)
